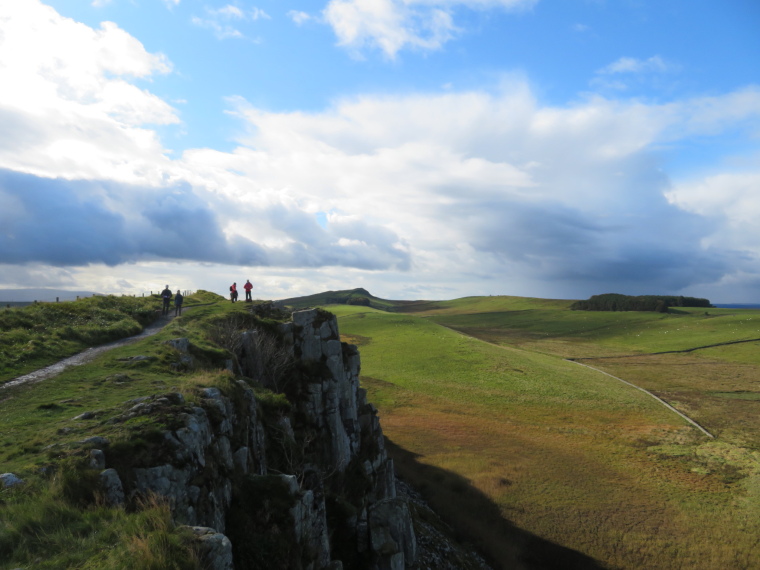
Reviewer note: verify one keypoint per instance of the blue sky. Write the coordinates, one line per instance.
(419, 149)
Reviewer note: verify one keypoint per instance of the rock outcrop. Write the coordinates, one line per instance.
(300, 481)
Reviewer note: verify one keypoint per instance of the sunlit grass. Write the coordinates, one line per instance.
(567, 453)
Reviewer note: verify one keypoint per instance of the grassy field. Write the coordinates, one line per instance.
(51, 522)
(43, 333)
(483, 409)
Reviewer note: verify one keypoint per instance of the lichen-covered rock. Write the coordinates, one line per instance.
(10, 480)
(213, 463)
(97, 459)
(392, 534)
(310, 523)
(214, 548)
(111, 487)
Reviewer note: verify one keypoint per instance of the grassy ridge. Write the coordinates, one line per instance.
(565, 453)
(44, 333)
(48, 523)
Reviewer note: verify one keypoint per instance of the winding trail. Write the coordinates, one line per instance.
(660, 400)
(91, 353)
(663, 402)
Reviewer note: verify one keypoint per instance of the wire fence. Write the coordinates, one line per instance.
(10, 304)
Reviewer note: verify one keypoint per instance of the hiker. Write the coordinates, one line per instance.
(233, 292)
(248, 288)
(166, 295)
(178, 298)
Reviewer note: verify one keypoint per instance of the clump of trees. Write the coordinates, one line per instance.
(617, 302)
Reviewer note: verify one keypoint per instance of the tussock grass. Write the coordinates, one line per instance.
(564, 453)
(39, 528)
(43, 333)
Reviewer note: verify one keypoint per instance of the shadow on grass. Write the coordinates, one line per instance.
(477, 520)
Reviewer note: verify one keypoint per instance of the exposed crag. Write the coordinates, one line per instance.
(293, 478)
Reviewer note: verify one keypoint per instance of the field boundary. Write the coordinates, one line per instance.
(660, 400)
(684, 350)
(663, 402)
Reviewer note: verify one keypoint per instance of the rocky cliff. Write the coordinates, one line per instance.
(294, 475)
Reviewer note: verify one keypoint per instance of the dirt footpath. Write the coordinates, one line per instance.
(87, 355)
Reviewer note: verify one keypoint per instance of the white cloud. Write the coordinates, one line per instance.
(476, 180)
(393, 25)
(221, 31)
(627, 73)
(216, 20)
(299, 17)
(67, 101)
(654, 64)
(461, 188)
(730, 197)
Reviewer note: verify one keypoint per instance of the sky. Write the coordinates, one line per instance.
(421, 149)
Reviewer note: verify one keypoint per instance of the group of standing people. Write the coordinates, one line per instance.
(166, 297)
(234, 292)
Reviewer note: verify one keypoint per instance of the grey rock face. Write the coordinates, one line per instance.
(310, 523)
(110, 484)
(215, 549)
(392, 534)
(97, 459)
(222, 439)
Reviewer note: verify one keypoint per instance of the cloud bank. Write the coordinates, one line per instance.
(433, 190)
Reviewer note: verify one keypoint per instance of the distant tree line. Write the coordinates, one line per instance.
(617, 302)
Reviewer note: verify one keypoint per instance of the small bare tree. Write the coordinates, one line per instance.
(227, 332)
(276, 359)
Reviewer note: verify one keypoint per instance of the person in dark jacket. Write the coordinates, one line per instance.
(166, 296)
(178, 298)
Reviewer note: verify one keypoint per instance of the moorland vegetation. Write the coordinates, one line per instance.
(43, 333)
(504, 433)
(57, 518)
(487, 414)
(190, 409)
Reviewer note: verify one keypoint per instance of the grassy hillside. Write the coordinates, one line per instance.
(344, 297)
(53, 521)
(560, 451)
(43, 333)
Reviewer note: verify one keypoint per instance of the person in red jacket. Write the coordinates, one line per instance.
(233, 292)
(248, 288)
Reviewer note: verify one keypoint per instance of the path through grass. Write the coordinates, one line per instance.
(565, 453)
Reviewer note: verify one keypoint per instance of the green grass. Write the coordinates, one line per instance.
(565, 453)
(40, 529)
(559, 330)
(41, 524)
(43, 333)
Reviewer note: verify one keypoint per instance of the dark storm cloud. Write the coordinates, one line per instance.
(69, 223)
(653, 250)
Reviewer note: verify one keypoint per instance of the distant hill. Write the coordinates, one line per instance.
(357, 296)
(40, 294)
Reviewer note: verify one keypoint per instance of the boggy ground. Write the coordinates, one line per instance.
(567, 454)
